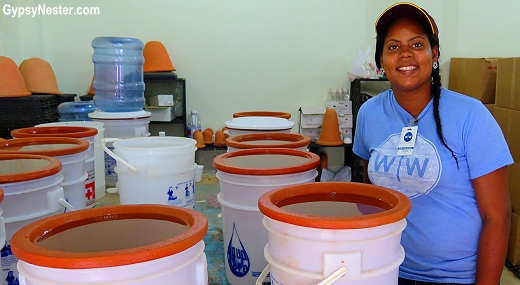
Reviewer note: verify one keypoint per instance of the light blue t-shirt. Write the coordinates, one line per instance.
(444, 224)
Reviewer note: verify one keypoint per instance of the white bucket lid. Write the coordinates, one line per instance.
(119, 115)
(259, 123)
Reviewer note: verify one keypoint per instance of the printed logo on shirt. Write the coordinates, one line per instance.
(412, 175)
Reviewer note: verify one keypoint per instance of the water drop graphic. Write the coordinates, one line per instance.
(237, 258)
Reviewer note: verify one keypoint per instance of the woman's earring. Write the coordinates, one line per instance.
(382, 70)
(435, 65)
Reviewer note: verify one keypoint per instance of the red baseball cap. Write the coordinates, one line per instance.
(409, 10)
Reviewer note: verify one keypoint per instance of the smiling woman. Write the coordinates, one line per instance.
(429, 148)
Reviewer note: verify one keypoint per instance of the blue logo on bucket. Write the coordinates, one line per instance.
(237, 258)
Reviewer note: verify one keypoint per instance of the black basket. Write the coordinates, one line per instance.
(28, 111)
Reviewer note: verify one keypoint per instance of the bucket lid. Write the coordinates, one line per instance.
(119, 115)
(24, 243)
(46, 166)
(285, 140)
(259, 123)
(50, 146)
(396, 205)
(262, 114)
(306, 160)
(55, 131)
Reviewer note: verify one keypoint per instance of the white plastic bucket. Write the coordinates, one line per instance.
(165, 189)
(9, 261)
(125, 244)
(70, 152)
(90, 182)
(268, 140)
(31, 185)
(99, 165)
(120, 125)
(258, 124)
(156, 170)
(318, 229)
(244, 176)
(74, 192)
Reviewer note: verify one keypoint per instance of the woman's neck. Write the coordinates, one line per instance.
(413, 102)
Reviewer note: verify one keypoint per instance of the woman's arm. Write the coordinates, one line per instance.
(492, 195)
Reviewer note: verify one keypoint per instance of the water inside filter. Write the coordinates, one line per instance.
(39, 147)
(270, 142)
(22, 165)
(333, 209)
(111, 235)
(265, 161)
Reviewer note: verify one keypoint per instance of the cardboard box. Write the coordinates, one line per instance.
(513, 179)
(313, 133)
(513, 251)
(161, 114)
(508, 120)
(475, 77)
(508, 83)
(341, 107)
(311, 117)
(161, 100)
(346, 121)
(513, 175)
(490, 107)
(346, 133)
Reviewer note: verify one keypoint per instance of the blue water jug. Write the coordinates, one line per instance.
(118, 74)
(76, 111)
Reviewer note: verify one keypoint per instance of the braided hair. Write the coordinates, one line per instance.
(436, 80)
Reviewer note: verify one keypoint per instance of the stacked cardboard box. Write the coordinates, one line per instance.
(507, 114)
(496, 82)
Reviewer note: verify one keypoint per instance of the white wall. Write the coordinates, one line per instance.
(249, 55)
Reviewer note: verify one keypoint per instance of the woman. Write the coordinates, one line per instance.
(442, 149)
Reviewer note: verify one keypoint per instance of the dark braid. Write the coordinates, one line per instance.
(436, 80)
(436, 92)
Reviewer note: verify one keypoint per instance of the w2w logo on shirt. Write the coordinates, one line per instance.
(412, 175)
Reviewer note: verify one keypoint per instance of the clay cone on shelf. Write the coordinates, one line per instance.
(225, 131)
(220, 138)
(330, 134)
(39, 76)
(11, 79)
(91, 90)
(199, 137)
(208, 136)
(156, 58)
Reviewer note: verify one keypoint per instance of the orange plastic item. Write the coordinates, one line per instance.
(199, 137)
(156, 58)
(208, 136)
(11, 79)
(220, 138)
(91, 90)
(262, 114)
(39, 76)
(330, 134)
(396, 205)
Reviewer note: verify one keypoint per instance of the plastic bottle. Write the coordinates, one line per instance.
(118, 74)
(76, 111)
(194, 123)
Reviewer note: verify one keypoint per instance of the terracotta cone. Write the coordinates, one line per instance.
(330, 134)
(220, 138)
(39, 76)
(156, 58)
(208, 136)
(91, 90)
(199, 137)
(11, 79)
